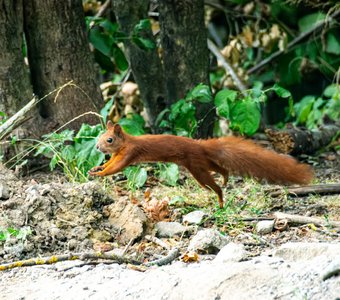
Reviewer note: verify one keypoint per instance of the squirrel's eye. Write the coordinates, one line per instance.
(109, 140)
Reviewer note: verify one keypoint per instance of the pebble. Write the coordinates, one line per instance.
(195, 217)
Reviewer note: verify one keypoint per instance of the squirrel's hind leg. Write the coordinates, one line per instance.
(207, 181)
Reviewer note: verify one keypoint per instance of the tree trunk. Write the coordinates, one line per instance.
(145, 64)
(15, 87)
(185, 54)
(58, 51)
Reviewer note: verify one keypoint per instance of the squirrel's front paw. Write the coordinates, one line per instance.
(94, 170)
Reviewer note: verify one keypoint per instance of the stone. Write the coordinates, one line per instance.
(208, 241)
(128, 217)
(170, 229)
(101, 236)
(306, 251)
(194, 217)
(332, 270)
(264, 227)
(232, 252)
(4, 192)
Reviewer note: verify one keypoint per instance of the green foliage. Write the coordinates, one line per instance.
(180, 119)
(3, 117)
(244, 110)
(169, 173)
(133, 124)
(10, 232)
(311, 109)
(140, 35)
(105, 37)
(136, 176)
(76, 155)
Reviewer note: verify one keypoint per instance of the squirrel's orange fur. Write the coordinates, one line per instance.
(226, 155)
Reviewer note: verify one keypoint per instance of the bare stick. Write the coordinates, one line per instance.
(213, 48)
(172, 255)
(297, 219)
(157, 241)
(64, 257)
(321, 189)
(303, 35)
(19, 117)
(103, 9)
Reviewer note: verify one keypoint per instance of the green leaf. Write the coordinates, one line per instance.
(106, 109)
(143, 24)
(303, 108)
(280, 91)
(310, 21)
(120, 58)
(332, 44)
(169, 173)
(104, 61)
(201, 93)
(136, 176)
(223, 100)
(133, 125)
(144, 43)
(141, 35)
(245, 116)
(102, 42)
(331, 90)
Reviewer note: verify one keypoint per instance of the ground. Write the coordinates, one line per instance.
(42, 215)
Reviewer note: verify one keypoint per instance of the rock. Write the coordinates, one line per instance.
(101, 236)
(307, 251)
(264, 227)
(194, 217)
(130, 218)
(170, 229)
(208, 241)
(232, 252)
(4, 192)
(332, 270)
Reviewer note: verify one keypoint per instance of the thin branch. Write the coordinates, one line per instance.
(297, 219)
(213, 48)
(64, 257)
(172, 255)
(103, 9)
(320, 189)
(317, 26)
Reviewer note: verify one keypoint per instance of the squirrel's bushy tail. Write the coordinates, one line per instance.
(242, 157)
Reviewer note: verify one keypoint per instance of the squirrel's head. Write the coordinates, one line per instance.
(111, 141)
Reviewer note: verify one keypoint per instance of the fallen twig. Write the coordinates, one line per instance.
(64, 257)
(172, 255)
(157, 241)
(297, 219)
(321, 189)
(103, 9)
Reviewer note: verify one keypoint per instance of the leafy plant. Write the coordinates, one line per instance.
(136, 176)
(76, 155)
(20, 234)
(244, 110)
(311, 110)
(105, 37)
(169, 173)
(181, 119)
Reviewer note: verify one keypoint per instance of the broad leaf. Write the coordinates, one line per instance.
(245, 116)
(281, 92)
(120, 58)
(222, 101)
(201, 93)
(310, 21)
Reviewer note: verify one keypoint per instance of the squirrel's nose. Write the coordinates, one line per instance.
(97, 146)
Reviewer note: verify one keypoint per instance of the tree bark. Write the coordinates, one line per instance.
(145, 64)
(15, 87)
(185, 55)
(58, 51)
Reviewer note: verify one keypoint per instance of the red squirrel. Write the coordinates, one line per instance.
(225, 155)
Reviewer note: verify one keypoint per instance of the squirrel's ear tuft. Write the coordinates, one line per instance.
(118, 131)
(109, 125)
